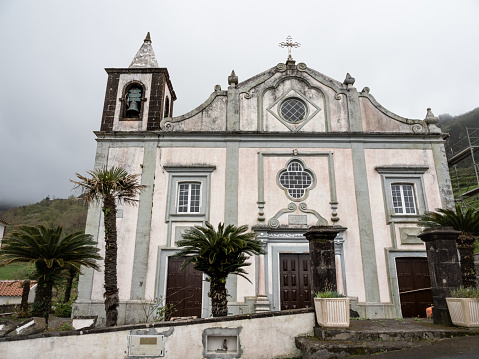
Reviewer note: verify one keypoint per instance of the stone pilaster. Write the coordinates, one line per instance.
(444, 268)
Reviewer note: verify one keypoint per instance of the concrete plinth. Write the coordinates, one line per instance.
(321, 252)
(444, 268)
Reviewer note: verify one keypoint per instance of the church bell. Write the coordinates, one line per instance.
(133, 109)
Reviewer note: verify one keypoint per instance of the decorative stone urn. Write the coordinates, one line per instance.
(464, 311)
(332, 312)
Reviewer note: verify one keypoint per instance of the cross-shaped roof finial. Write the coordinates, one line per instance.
(289, 44)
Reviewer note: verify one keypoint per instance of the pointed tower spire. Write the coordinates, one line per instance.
(147, 38)
(145, 57)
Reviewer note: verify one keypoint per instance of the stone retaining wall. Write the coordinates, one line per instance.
(265, 335)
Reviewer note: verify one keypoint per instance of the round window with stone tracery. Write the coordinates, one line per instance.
(293, 110)
(296, 180)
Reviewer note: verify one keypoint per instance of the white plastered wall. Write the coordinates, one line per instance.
(338, 111)
(318, 199)
(376, 121)
(129, 158)
(159, 227)
(381, 229)
(348, 217)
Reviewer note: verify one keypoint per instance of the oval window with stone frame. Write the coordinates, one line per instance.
(293, 110)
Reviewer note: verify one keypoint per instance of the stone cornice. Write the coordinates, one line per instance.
(244, 136)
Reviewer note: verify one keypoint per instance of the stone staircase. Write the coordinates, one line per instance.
(365, 337)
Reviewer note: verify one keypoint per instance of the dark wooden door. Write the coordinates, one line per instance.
(414, 286)
(294, 278)
(183, 289)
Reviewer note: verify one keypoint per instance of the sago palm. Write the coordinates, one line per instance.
(467, 222)
(51, 254)
(110, 186)
(218, 253)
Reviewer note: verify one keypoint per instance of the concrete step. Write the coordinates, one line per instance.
(365, 337)
(313, 348)
(392, 330)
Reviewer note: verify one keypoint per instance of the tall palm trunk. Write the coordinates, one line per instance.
(465, 245)
(69, 285)
(25, 294)
(111, 284)
(43, 298)
(218, 295)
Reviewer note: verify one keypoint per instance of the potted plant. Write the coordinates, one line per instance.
(463, 307)
(332, 309)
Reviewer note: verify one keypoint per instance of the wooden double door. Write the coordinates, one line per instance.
(183, 289)
(295, 281)
(414, 286)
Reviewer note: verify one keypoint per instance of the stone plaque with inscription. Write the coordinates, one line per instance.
(297, 219)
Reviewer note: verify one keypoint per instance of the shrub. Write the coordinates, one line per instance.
(329, 294)
(63, 310)
(469, 292)
(65, 327)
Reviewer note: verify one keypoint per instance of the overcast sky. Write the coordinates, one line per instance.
(411, 54)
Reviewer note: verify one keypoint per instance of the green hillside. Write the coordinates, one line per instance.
(463, 176)
(69, 213)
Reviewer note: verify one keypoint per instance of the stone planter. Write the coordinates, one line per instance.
(464, 311)
(332, 312)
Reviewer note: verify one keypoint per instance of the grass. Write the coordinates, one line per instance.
(16, 271)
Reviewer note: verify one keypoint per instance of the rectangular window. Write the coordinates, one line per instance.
(189, 197)
(403, 199)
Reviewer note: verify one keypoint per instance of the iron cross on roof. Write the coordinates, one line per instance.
(289, 44)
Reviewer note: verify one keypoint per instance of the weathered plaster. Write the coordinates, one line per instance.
(256, 342)
(85, 282)
(142, 241)
(129, 159)
(368, 254)
(136, 124)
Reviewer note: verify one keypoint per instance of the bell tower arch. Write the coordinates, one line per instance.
(136, 97)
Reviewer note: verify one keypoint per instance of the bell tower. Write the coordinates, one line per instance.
(138, 97)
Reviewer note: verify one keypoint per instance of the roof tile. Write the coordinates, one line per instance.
(12, 288)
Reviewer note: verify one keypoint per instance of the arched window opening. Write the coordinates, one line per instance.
(132, 101)
(167, 107)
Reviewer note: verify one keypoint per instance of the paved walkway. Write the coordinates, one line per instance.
(455, 348)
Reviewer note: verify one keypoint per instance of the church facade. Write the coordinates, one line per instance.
(282, 151)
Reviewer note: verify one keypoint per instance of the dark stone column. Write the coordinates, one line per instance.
(321, 254)
(444, 268)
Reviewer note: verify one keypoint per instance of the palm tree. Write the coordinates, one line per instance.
(72, 273)
(468, 224)
(109, 186)
(218, 253)
(51, 254)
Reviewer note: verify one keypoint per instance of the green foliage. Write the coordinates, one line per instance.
(70, 214)
(158, 310)
(48, 250)
(464, 180)
(63, 310)
(17, 271)
(456, 126)
(469, 292)
(465, 221)
(103, 182)
(329, 294)
(110, 186)
(65, 327)
(51, 254)
(218, 253)
(463, 176)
